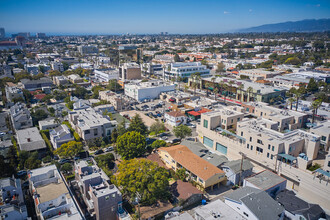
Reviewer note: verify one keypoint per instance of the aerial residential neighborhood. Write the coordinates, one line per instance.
(199, 116)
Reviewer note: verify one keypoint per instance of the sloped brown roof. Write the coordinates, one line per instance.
(175, 114)
(192, 162)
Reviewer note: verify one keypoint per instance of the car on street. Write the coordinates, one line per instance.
(164, 138)
(63, 161)
(108, 149)
(99, 152)
(21, 173)
(176, 140)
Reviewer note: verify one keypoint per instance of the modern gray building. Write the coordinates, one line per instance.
(102, 199)
(60, 135)
(32, 85)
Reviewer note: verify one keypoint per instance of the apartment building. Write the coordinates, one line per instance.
(105, 75)
(198, 169)
(60, 80)
(262, 139)
(175, 118)
(47, 124)
(184, 70)
(75, 78)
(34, 69)
(115, 99)
(14, 93)
(103, 200)
(323, 130)
(130, 71)
(60, 135)
(141, 91)
(286, 119)
(259, 73)
(12, 199)
(51, 195)
(20, 116)
(87, 49)
(29, 139)
(57, 66)
(89, 124)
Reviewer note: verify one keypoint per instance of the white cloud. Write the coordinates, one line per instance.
(250, 10)
(226, 12)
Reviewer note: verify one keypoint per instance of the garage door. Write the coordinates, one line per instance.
(222, 149)
(208, 142)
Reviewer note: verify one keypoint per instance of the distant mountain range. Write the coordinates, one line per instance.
(311, 25)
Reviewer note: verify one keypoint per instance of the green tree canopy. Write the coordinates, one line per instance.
(80, 92)
(113, 85)
(130, 145)
(143, 177)
(312, 85)
(182, 131)
(138, 125)
(38, 115)
(69, 149)
(157, 127)
(67, 167)
(158, 143)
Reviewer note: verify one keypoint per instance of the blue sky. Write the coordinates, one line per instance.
(152, 16)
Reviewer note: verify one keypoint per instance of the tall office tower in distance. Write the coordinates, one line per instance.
(2, 33)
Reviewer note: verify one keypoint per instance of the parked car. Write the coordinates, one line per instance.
(21, 173)
(162, 134)
(164, 138)
(108, 149)
(176, 140)
(99, 152)
(63, 161)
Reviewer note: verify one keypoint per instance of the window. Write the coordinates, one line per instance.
(206, 123)
(113, 195)
(232, 120)
(242, 133)
(245, 214)
(173, 161)
(273, 148)
(250, 138)
(238, 119)
(290, 149)
(166, 155)
(268, 146)
(107, 197)
(259, 141)
(200, 180)
(323, 138)
(259, 149)
(248, 146)
(267, 155)
(271, 156)
(251, 147)
(87, 132)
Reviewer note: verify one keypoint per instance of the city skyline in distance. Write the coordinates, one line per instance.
(152, 17)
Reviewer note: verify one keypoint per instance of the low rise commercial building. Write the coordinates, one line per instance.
(103, 200)
(12, 204)
(20, 116)
(51, 196)
(259, 73)
(60, 135)
(87, 49)
(198, 170)
(89, 124)
(105, 75)
(29, 139)
(32, 85)
(184, 70)
(141, 91)
(75, 78)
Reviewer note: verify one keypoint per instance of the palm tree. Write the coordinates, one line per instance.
(315, 105)
(249, 91)
(207, 85)
(194, 86)
(291, 100)
(216, 90)
(225, 88)
(240, 88)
